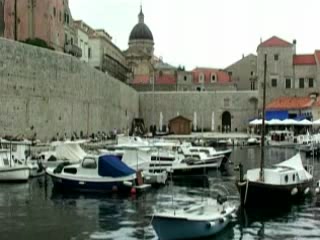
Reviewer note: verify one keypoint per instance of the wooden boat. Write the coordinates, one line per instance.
(281, 184)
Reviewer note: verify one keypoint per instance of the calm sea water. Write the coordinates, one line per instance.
(35, 211)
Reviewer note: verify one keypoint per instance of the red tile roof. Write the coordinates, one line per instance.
(166, 79)
(222, 76)
(288, 103)
(275, 42)
(141, 79)
(305, 59)
(317, 54)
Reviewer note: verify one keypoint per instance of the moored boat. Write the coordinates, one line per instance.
(104, 173)
(197, 221)
(10, 171)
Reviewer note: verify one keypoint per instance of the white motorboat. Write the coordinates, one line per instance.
(198, 221)
(11, 171)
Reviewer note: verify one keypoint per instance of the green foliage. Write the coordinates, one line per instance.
(38, 42)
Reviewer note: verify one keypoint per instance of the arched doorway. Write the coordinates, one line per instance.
(226, 121)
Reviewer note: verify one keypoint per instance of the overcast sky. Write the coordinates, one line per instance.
(206, 33)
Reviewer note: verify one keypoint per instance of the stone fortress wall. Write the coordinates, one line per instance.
(242, 105)
(46, 93)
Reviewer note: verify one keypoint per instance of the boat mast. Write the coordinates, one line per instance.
(263, 118)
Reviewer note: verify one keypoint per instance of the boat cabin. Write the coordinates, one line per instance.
(99, 166)
(5, 160)
(276, 175)
(18, 150)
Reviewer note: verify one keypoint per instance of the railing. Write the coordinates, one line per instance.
(74, 50)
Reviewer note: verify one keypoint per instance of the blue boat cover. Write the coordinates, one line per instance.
(112, 166)
(281, 115)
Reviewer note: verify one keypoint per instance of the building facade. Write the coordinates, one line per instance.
(244, 73)
(288, 73)
(30, 19)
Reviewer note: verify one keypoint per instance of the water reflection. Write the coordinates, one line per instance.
(35, 211)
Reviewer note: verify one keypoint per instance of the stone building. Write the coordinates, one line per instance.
(25, 19)
(288, 73)
(106, 56)
(70, 33)
(244, 73)
(83, 32)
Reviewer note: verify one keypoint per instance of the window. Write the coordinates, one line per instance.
(274, 82)
(253, 85)
(54, 11)
(60, 16)
(226, 102)
(185, 78)
(276, 57)
(89, 163)
(288, 83)
(71, 41)
(213, 77)
(286, 178)
(89, 52)
(293, 177)
(70, 170)
(201, 78)
(251, 73)
(301, 82)
(311, 83)
(230, 74)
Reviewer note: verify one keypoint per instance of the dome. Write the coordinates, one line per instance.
(141, 32)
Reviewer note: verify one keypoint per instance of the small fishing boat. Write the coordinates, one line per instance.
(9, 170)
(198, 221)
(104, 173)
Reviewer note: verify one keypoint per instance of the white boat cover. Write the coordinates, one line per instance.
(70, 151)
(296, 163)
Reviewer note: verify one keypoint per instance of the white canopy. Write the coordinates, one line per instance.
(257, 122)
(317, 122)
(275, 122)
(304, 122)
(289, 122)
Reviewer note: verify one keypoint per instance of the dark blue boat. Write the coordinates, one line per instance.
(105, 173)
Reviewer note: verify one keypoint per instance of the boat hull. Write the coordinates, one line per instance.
(186, 229)
(14, 174)
(261, 194)
(90, 186)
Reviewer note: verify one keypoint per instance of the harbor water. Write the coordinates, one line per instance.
(36, 211)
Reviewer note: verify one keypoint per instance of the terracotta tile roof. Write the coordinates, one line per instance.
(166, 79)
(275, 42)
(222, 76)
(288, 103)
(305, 59)
(317, 54)
(141, 79)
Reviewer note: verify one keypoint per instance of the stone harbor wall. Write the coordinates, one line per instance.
(43, 92)
(207, 110)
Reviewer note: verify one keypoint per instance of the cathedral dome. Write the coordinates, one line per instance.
(141, 31)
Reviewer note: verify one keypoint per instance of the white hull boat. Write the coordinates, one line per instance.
(14, 174)
(203, 220)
